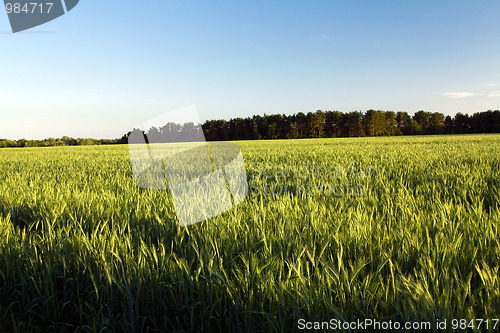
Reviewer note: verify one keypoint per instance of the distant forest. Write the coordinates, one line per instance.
(319, 124)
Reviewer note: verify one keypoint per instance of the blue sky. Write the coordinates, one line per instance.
(108, 66)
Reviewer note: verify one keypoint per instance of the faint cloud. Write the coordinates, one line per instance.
(322, 37)
(465, 94)
(462, 94)
(51, 114)
(492, 85)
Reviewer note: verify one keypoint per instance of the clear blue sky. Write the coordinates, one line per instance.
(108, 66)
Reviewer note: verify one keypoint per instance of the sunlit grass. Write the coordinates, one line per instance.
(82, 247)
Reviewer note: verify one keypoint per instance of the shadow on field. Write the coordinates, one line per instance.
(491, 195)
(144, 279)
(23, 216)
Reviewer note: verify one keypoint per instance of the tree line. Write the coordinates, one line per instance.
(328, 124)
(64, 141)
(319, 124)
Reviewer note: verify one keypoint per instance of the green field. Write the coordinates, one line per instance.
(395, 228)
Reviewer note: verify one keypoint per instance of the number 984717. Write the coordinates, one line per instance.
(29, 7)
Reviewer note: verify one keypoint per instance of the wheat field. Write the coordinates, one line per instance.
(393, 228)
